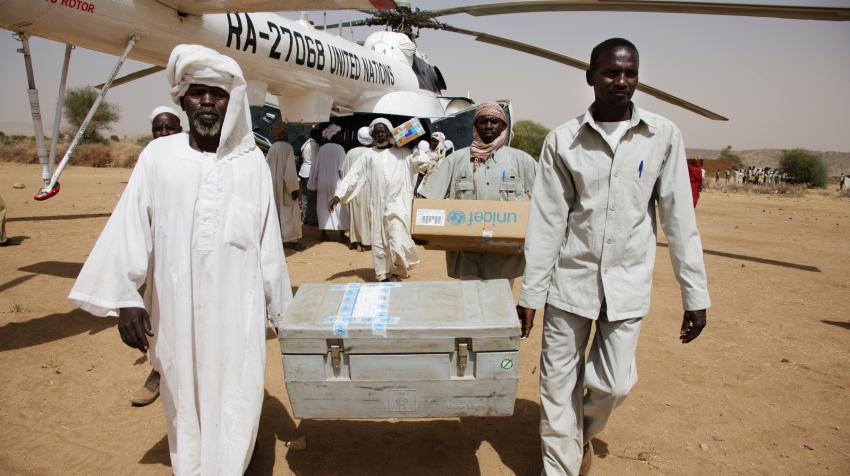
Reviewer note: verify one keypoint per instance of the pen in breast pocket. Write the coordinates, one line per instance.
(640, 169)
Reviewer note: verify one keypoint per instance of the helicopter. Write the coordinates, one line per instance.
(314, 74)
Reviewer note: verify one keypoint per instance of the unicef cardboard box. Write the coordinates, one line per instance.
(484, 226)
(417, 349)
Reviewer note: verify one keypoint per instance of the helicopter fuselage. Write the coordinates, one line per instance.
(314, 74)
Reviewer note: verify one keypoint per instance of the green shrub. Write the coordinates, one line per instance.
(726, 154)
(529, 136)
(803, 167)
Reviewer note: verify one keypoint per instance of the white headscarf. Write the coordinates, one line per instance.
(449, 145)
(163, 110)
(195, 64)
(363, 136)
(330, 131)
(383, 121)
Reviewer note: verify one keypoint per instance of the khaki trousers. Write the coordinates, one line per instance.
(576, 396)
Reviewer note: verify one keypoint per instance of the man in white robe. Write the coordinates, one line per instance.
(198, 219)
(281, 160)
(360, 230)
(325, 174)
(385, 171)
(165, 121)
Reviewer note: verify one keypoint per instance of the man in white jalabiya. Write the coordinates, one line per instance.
(360, 230)
(325, 174)
(198, 219)
(281, 159)
(385, 171)
(432, 156)
(165, 121)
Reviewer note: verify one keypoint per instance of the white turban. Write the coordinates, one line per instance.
(383, 121)
(363, 136)
(423, 146)
(163, 110)
(195, 64)
(330, 131)
(449, 145)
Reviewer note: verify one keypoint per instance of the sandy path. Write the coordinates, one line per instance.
(770, 374)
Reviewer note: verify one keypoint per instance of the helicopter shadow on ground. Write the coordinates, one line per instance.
(426, 447)
(41, 330)
(158, 453)
(366, 274)
(60, 269)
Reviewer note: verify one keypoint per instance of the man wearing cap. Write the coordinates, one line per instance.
(165, 121)
(486, 170)
(281, 159)
(360, 231)
(198, 218)
(386, 172)
(325, 175)
(590, 250)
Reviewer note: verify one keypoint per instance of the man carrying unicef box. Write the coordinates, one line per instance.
(487, 170)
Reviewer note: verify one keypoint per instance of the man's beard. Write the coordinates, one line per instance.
(206, 130)
(381, 144)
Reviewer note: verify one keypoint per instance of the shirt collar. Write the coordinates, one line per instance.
(494, 158)
(635, 120)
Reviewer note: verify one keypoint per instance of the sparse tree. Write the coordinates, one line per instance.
(78, 101)
(726, 154)
(804, 167)
(529, 136)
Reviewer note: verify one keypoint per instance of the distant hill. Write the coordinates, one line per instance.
(836, 162)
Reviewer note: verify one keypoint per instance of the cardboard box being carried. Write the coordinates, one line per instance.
(412, 349)
(484, 226)
(408, 131)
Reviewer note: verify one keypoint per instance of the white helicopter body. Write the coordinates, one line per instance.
(313, 73)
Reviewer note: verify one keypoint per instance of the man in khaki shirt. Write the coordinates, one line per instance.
(590, 250)
(487, 170)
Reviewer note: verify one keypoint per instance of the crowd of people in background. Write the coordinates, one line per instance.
(757, 176)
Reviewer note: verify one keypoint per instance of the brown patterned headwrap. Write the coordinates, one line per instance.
(479, 151)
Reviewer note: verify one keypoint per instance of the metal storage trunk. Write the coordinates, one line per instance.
(392, 350)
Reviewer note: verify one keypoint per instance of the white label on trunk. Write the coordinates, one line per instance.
(430, 217)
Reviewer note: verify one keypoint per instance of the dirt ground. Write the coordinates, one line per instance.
(764, 390)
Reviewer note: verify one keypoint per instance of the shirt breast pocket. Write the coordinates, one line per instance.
(242, 225)
(648, 172)
(511, 190)
(464, 189)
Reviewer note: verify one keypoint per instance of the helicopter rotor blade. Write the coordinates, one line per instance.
(702, 8)
(365, 21)
(578, 64)
(132, 76)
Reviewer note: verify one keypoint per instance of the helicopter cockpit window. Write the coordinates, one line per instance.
(429, 76)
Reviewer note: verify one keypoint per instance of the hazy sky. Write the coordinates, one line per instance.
(782, 83)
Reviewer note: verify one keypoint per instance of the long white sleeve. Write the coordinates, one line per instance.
(118, 264)
(678, 220)
(276, 283)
